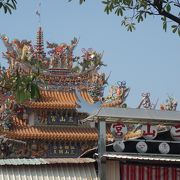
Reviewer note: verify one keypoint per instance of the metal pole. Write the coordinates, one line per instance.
(101, 149)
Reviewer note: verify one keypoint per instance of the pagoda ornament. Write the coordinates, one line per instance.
(40, 43)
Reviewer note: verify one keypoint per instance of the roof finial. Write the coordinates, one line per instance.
(38, 13)
(39, 36)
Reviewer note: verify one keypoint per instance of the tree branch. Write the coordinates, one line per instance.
(170, 16)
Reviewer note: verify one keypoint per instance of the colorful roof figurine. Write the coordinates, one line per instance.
(170, 105)
(117, 95)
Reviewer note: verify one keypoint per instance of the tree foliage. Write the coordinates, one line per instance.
(22, 87)
(8, 5)
(136, 11)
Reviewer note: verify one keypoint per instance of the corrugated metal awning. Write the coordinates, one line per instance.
(48, 169)
(175, 159)
(42, 161)
(49, 172)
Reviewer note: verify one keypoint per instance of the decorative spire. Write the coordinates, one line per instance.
(40, 43)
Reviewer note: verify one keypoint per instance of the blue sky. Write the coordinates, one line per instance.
(147, 59)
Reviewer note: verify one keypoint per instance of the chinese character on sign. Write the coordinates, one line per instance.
(67, 149)
(61, 150)
(118, 130)
(149, 131)
(55, 149)
(73, 150)
(175, 132)
(164, 148)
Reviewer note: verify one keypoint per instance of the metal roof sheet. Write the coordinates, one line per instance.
(130, 114)
(143, 157)
(49, 172)
(42, 161)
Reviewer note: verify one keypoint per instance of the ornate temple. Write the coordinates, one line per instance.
(44, 119)
(53, 108)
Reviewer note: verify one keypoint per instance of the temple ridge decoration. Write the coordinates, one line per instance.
(118, 94)
(61, 55)
(170, 105)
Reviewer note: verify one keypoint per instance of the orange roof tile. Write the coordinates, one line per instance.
(54, 100)
(58, 100)
(86, 97)
(22, 131)
(54, 133)
(65, 99)
(18, 122)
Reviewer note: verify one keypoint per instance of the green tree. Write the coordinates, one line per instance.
(136, 11)
(25, 87)
(22, 86)
(8, 5)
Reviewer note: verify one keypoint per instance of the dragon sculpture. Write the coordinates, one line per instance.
(90, 60)
(118, 92)
(62, 55)
(17, 52)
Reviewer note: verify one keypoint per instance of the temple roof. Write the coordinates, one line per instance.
(22, 131)
(53, 99)
(59, 100)
(54, 133)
